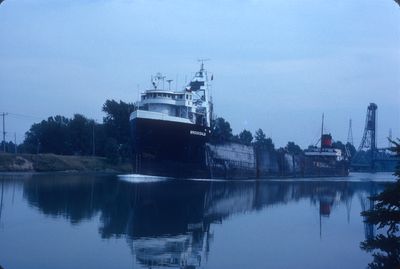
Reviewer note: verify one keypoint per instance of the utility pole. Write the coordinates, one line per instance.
(4, 130)
(93, 140)
(15, 143)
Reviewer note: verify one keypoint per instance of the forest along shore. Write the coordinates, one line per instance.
(58, 163)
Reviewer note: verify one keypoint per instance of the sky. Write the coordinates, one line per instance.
(277, 65)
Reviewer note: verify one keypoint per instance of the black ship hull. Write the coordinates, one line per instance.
(325, 167)
(167, 148)
(179, 150)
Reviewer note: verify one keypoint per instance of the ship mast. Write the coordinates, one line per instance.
(200, 85)
(202, 64)
(322, 129)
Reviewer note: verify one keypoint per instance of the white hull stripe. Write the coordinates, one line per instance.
(157, 116)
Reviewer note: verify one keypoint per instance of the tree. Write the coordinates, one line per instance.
(9, 146)
(100, 139)
(117, 124)
(261, 142)
(260, 136)
(81, 132)
(245, 137)
(61, 135)
(294, 149)
(117, 120)
(221, 131)
(112, 150)
(49, 136)
(347, 148)
(339, 145)
(385, 215)
(351, 149)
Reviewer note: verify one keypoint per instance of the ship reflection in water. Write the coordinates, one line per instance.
(177, 223)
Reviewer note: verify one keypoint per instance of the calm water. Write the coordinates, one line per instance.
(106, 221)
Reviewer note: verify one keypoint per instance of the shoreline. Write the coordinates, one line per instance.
(71, 164)
(43, 163)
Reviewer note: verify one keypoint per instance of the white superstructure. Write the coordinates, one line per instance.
(325, 152)
(191, 105)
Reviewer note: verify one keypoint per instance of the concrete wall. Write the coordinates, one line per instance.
(236, 154)
(293, 163)
(267, 163)
(233, 160)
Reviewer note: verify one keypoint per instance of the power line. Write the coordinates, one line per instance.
(24, 116)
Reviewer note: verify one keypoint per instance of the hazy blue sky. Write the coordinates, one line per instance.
(277, 65)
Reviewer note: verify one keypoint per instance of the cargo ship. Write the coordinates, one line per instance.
(170, 128)
(171, 131)
(325, 160)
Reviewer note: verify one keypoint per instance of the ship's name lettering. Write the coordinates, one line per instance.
(192, 132)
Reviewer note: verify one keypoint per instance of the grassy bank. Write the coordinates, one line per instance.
(55, 163)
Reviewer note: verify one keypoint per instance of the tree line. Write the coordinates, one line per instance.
(80, 135)
(222, 133)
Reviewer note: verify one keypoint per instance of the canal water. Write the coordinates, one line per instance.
(109, 221)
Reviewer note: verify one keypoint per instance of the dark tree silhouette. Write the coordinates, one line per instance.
(385, 215)
(351, 150)
(117, 120)
(221, 131)
(61, 135)
(117, 125)
(49, 136)
(80, 129)
(245, 137)
(262, 142)
(293, 148)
